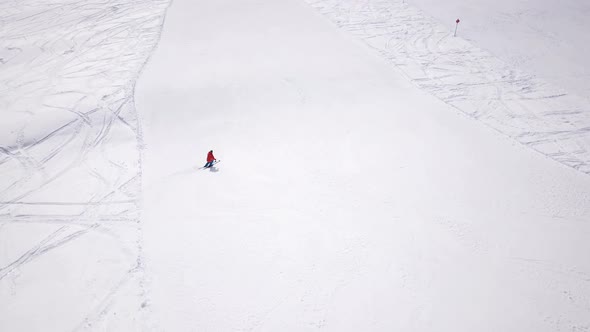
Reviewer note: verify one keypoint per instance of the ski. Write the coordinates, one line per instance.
(215, 163)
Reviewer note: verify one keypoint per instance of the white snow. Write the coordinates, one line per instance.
(534, 112)
(70, 171)
(377, 174)
(543, 37)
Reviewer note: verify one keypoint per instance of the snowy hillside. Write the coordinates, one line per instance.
(70, 172)
(536, 113)
(376, 173)
(543, 37)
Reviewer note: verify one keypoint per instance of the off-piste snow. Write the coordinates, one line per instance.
(379, 174)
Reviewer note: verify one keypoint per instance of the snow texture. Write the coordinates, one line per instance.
(542, 116)
(70, 168)
(378, 173)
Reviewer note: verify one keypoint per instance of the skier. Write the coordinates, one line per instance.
(210, 159)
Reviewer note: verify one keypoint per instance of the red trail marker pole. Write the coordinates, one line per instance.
(456, 26)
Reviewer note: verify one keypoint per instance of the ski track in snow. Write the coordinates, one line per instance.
(514, 103)
(70, 165)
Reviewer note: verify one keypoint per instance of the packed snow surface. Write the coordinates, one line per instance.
(377, 173)
(546, 38)
(538, 113)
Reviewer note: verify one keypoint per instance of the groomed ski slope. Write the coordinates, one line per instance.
(348, 199)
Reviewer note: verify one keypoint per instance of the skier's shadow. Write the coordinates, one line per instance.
(213, 169)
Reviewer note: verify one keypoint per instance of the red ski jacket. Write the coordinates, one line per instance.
(210, 157)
